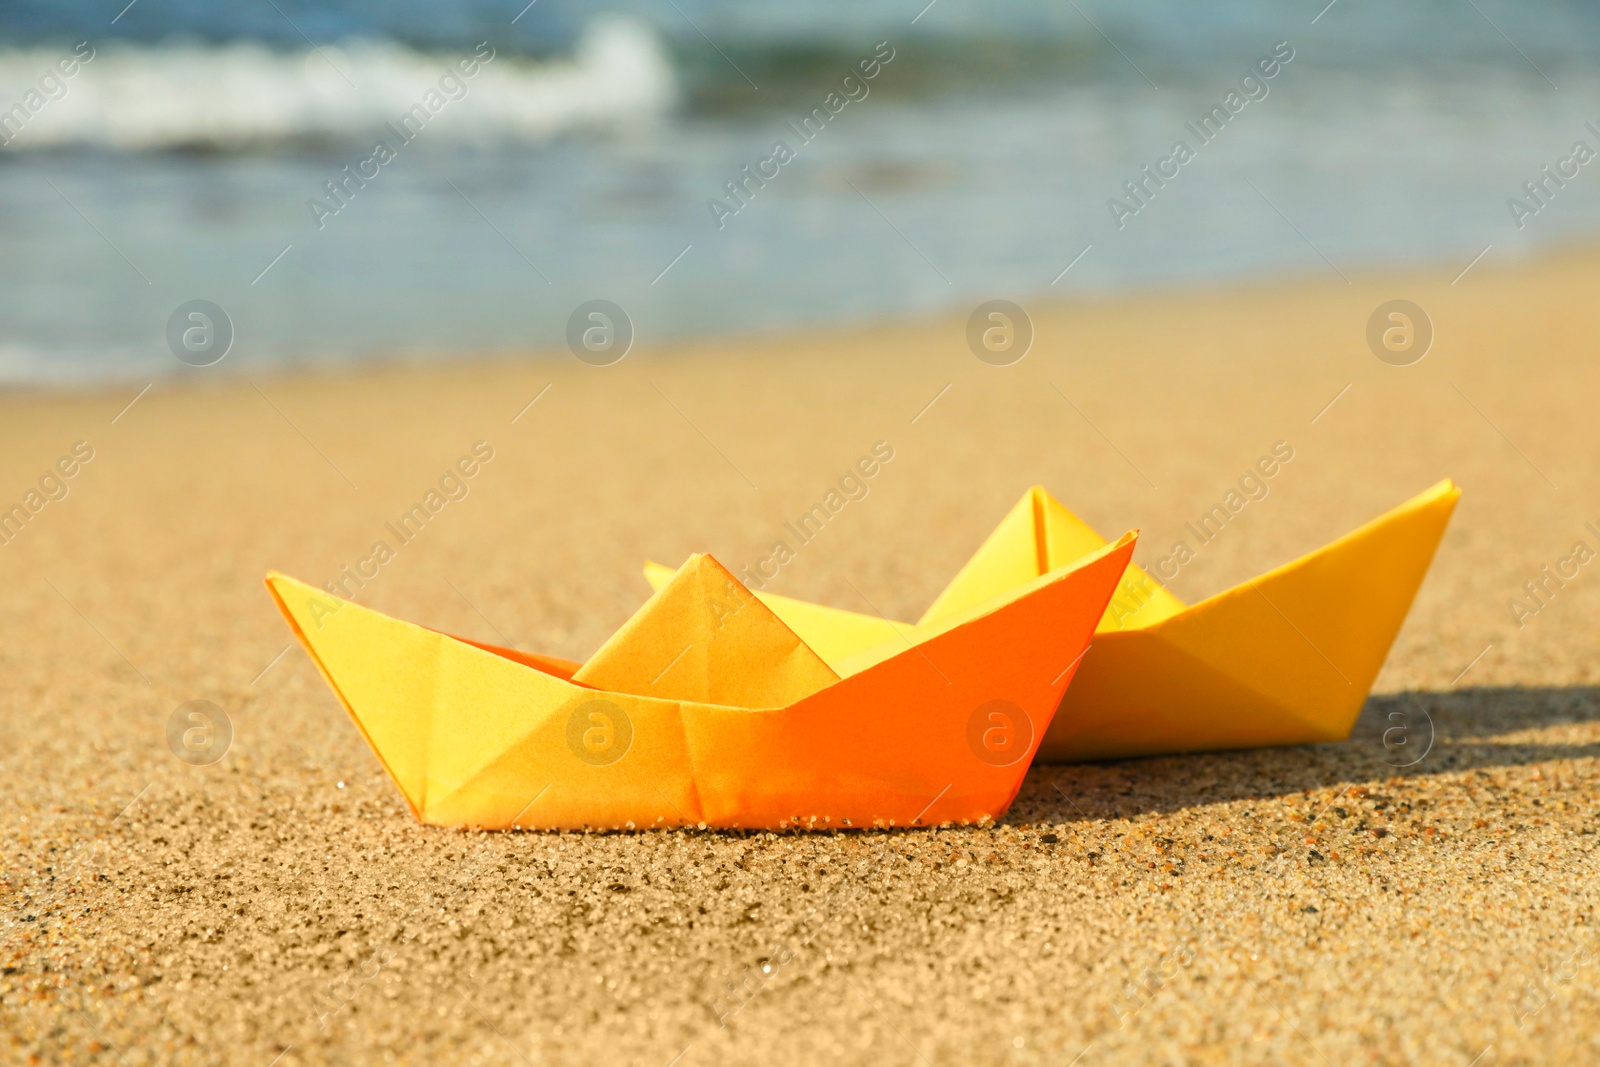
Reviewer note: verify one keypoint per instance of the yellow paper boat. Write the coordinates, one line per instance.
(1286, 658)
(706, 708)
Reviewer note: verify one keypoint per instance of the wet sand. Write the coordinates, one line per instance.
(1423, 893)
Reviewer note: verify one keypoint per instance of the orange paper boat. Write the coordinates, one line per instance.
(706, 709)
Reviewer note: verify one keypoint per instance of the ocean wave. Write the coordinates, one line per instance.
(242, 96)
(77, 365)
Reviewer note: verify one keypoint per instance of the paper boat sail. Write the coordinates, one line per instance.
(1286, 658)
(704, 637)
(941, 729)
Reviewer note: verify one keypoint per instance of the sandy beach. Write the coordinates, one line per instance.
(1426, 896)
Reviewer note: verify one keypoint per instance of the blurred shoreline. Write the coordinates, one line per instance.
(1165, 303)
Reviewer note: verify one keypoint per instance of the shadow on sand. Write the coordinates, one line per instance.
(1399, 735)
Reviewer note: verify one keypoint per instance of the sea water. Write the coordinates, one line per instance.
(332, 176)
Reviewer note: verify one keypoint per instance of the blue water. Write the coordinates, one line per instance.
(979, 163)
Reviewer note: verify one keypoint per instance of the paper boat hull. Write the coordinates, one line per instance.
(481, 737)
(1285, 659)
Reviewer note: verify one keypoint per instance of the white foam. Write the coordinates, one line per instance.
(243, 95)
